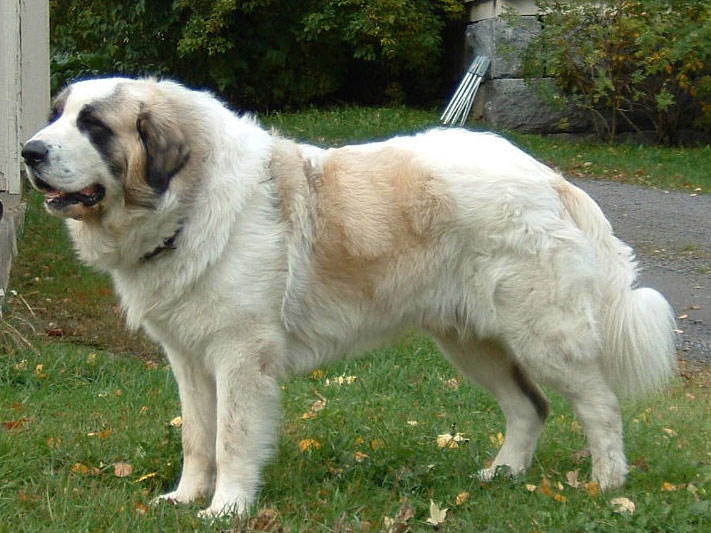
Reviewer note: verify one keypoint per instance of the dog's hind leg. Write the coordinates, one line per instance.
(583, 384)
(523, 403)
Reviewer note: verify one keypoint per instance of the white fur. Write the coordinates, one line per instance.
(517, 274)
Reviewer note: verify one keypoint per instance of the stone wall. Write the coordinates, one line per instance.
(505, 100)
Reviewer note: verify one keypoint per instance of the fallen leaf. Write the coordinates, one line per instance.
(497, 440)
(531, 488)
(39, 371)
(412, 423)
(317, 374)
(123, 469)
(668, 487)
(140, 508)
(623, 505)
(16, 424)
(146, 476)
(437, 515)
(399, 523)
(341, 380)
(79, 468)
(592, 488)
(318, 405)
(449, 441)
(452, 383)
(177, 422)
(309, 444)
(461, 498)
(267, 521)
(24, 496)
(360, 456)
(572, 479)
(670, 432)
(377, 444)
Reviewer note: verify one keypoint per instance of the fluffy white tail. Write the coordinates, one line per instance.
(637, 324)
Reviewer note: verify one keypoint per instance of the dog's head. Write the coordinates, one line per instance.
(109, 142)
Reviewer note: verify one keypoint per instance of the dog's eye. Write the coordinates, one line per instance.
(88, 122)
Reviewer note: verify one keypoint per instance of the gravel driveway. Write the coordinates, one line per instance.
(671, 233)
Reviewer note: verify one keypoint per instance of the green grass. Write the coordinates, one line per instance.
(77, 403)
(68, 422)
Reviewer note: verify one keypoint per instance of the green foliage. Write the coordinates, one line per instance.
(261, 53)
(634, 63)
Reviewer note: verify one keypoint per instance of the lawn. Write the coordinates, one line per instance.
(89, 434)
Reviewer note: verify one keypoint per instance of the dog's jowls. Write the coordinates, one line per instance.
(248, 257)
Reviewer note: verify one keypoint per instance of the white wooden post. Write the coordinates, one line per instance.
(24, 104)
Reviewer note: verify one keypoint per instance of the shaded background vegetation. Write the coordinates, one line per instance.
(264, 54)
(631, 64)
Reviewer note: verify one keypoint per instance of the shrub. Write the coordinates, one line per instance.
(633, 64)
(261, 53)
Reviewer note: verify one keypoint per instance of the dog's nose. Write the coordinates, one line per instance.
(34, 153)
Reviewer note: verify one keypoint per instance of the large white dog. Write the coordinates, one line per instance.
(248, 256)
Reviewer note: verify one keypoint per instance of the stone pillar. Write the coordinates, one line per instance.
(506, 101)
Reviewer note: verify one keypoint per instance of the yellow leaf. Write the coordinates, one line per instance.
(308, 415)
(461, 498)
(78, 468)
(531, 488)
(559, 498)
(177, 422)
(670, 432)
(497, 440)
(592, 488)
(309, 444)
(123, 469)
(668, 487)
(146, 476)
(377, 444)
(317, 374)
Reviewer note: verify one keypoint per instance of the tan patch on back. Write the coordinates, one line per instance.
(373, 208)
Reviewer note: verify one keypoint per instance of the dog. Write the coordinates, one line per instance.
(249, 257)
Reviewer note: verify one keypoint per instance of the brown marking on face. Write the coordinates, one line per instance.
(373, 209)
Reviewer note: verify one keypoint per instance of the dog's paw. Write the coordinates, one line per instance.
(221, 507)
(174, 497)
(494, 471)
(610, 476)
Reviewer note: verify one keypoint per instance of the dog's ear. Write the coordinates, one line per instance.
(166, 149)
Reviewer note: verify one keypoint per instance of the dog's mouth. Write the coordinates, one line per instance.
(59, 200)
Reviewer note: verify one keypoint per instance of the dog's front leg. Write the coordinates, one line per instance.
(247, 420)
(198, 404)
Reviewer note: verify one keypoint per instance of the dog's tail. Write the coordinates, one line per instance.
(637, 324)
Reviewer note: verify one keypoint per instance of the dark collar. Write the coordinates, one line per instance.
(168, 244)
